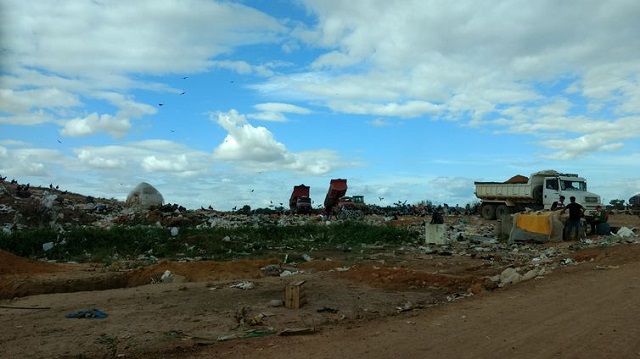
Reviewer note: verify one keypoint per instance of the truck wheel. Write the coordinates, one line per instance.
(502, 210)
(537, 193)
(488, 212)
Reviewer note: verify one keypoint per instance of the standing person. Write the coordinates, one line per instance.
(576, 211)
(558, 204)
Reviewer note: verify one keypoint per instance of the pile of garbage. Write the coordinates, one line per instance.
(25, 206)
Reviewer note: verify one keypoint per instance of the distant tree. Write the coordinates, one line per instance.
(263, 211)
(246, 209)
(617, 203)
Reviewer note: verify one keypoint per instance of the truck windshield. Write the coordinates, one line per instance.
(573, 185)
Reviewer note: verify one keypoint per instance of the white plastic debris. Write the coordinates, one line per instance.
(244, 285)
(286, 273)
(530, 274)
(510, 276)
(49, 199)
(166, 276)
(625, 232)
(174, 231)
(47, 246)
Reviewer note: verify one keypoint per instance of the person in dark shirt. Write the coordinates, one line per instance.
(436, 218)
(576, 211)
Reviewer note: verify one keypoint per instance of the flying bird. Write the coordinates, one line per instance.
(59, 141)
(186, 77)
(381, 198)
(183, 92)
(251, 190)
(160, 104)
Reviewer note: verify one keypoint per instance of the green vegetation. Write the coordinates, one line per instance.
(143, 243)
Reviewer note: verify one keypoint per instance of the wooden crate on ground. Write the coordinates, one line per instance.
(295, 296)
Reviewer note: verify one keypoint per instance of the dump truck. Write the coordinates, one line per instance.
(337, 189)
(300, 202)
(351, 207)
(352, 202)
(537, 192)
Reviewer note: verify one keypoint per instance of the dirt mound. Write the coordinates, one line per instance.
(202, 271)
(13, 264)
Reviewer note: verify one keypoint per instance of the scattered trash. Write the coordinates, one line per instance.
(256, 319)
(567, 261)
(259, 333)
(48, 200)
(166, 276)
(509, 276)
(327, 310)
(404, 308)
(92, 313)
(271, 270)
(276, 303)
(297, 331)
(174, 231)
(625, 232)
(244, 285)
(607, 267)
(47, 246)
(286, 273)
(254, 333)
(224, 338)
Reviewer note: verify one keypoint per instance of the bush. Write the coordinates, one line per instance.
(105, 245)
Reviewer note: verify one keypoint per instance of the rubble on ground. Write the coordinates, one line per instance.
(466, 236)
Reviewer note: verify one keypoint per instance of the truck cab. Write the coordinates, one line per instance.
(351, 202)
(569, 185)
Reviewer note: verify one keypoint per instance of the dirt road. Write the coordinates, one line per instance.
(588, 311)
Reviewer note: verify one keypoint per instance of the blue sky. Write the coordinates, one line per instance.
(227, 103)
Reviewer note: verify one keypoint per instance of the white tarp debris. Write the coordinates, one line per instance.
(144, 196)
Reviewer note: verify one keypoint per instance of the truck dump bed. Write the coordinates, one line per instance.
(499, 190)
(337, 189)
